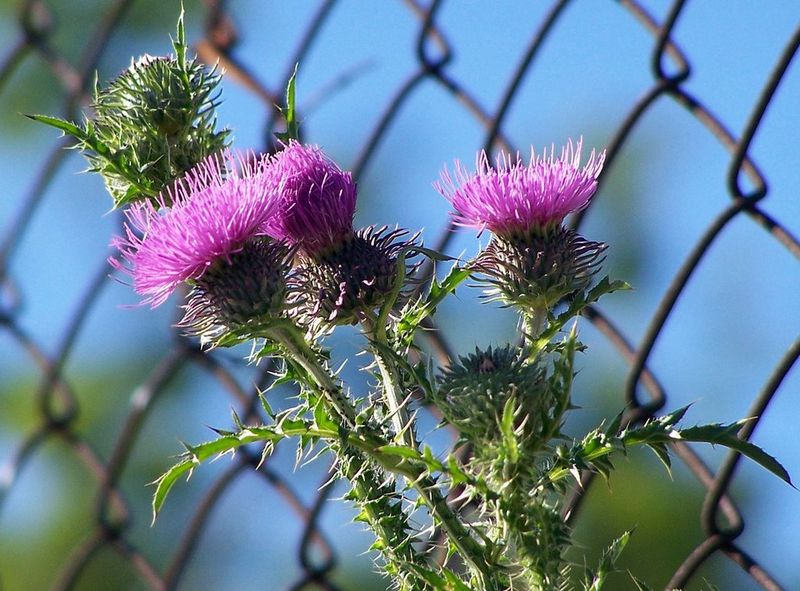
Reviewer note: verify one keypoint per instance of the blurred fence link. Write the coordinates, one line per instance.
(58, 405)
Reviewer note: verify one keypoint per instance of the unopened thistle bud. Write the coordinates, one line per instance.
(152, 124)
(505, 407)
(474, 392)
(157, 121)
(532, 262)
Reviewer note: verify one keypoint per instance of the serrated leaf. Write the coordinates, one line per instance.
(457, 474)
(614, 425)
(265, 404)
(675, 417)
(67, 127)
(399, 450)
(322, 420)
(165, 483)
(236, 420)
(430, 459)
(662, 453)
(578, 303)
(510, 443)
(452, 582)
(726, 435)
(195, 455)
(413, 317)
(608, 561)
(640, 585)
(289, 112)
(179, 45)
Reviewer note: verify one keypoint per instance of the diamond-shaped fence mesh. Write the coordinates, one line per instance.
(80, 439)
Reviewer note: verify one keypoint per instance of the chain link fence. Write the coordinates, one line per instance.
(113, 532)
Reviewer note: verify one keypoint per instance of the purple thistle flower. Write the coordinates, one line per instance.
(215, 211)
(317, 200)
(515, 199)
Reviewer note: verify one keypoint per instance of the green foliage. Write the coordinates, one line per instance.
(595, 580)
(575, 306)
(289, 111)
(592, 453)
(415, 314)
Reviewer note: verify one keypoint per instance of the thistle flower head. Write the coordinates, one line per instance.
(359, 275)
(216, 209)
(239, 295)
(515, 199)
(317, 200)
(538, 271)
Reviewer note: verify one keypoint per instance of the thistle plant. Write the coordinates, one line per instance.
(267, 250)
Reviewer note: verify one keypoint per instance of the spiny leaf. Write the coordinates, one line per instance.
(179, 44)
(67, 127)
(726, 435)
(289, 112)
(195, 455)
(322, 419)
(578, 303)
(457, 475)
(399, 450)
(422, 309)
(165, 482)
(453, 583)
(640, 585)
(607, 563)
(507, 430)
(265, 404)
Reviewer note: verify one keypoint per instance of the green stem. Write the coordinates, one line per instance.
(533, 324)
(470, 549)
(375, 329)
(387, 520)
(300, 351)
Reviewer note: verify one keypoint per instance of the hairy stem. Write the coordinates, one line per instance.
(375, 330)
(468, 547)
(300, 351)
(384, 513)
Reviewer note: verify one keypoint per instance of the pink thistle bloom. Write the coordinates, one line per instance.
(214, 211)
(514, 199)
(317, 199)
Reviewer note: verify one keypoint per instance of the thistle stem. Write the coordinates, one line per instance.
(393, 396)
(533, 324)
(300, 351)
(388, 521)
(472, 552)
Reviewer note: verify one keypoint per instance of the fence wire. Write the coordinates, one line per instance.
(58, 408)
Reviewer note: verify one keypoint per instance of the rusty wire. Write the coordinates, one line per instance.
(57, 403)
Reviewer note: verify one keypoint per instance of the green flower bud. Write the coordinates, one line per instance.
(473, 394)
(155, 122)
(152, 124)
